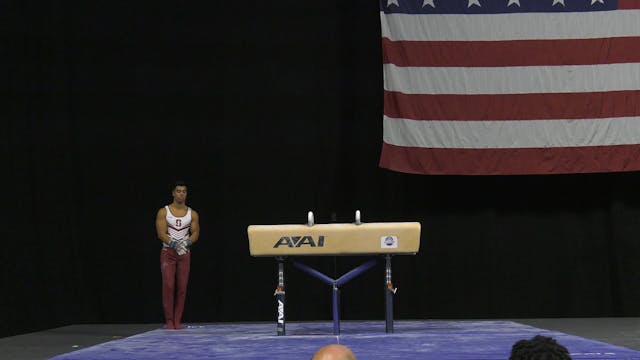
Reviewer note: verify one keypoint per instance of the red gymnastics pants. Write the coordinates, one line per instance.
(175, 276)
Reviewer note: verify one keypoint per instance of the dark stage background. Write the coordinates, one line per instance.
(268, 109)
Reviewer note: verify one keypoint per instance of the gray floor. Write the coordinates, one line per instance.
(45, 344)
(48, 343)
(618, 331)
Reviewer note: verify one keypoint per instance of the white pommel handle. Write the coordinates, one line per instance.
(310, 218)
(358, 222)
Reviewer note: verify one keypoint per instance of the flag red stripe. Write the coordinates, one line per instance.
(628, 4)
(512, 106)
(563, 160)
(512, 53)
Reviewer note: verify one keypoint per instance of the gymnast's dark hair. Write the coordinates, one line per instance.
(178, 183)
(539, 348)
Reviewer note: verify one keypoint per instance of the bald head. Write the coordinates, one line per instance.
(334, 352)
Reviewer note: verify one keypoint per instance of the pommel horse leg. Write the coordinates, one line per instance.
(279, 293)
(389, 292)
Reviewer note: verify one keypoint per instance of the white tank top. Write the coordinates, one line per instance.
(178, 227)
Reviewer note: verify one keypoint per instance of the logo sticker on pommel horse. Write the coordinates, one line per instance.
(389, 242)
(298, 241)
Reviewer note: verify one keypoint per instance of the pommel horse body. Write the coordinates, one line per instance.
(366, 239)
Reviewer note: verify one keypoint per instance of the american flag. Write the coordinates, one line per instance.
(483, 87)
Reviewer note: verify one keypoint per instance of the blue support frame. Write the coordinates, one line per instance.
(335, 285)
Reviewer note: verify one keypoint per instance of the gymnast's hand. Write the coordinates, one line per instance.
(185, 240)
(174, 243)
(183, 246)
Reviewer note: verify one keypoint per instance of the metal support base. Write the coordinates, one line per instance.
(335, 288)
(335, 285)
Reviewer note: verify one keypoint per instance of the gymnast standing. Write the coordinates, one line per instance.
(178, 227)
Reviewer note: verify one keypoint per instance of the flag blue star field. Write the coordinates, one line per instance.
(490, 87)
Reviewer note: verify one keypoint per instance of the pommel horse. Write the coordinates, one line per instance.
(367, 239)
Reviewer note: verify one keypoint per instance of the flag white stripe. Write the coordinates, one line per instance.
(511, 134)
(512, 80)
(492, 27)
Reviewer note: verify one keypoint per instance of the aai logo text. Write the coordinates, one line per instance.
(298, 241)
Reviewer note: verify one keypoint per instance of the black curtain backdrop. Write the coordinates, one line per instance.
(268, 109)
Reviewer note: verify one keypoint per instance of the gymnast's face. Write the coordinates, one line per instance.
(180, 194)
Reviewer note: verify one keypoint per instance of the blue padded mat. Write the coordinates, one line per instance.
(431, 340)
